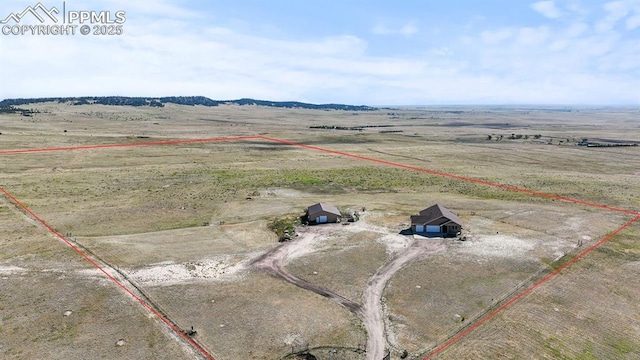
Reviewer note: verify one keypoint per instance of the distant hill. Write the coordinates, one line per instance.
(180, 100)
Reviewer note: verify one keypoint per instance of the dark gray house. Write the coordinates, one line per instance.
(322, 213)
(436, 221)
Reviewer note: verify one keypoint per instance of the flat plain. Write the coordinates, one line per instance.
(187, 224)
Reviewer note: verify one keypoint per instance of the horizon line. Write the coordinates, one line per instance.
(435, 104)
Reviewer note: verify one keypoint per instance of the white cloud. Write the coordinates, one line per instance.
(494, 37)
(441, 51)
(409, 29)
(618, 11)
(577, 29)
(406, 30)
(547, 9)
(530, 36)
(567, 62)
(633, 22)
(576, 7)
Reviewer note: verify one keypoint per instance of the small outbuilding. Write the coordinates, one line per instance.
(437, 221)
(321, 213)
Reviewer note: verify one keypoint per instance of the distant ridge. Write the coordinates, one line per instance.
(179, 100)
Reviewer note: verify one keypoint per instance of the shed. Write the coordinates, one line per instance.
(321, 213)
(436, 220)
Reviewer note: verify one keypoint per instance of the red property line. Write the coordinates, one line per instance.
(116, 281)
(457, 177)
(335, 152)
(444, 346)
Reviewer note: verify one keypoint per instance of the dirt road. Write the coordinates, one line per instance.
(274, 262)
(404, 249)
(373, 312)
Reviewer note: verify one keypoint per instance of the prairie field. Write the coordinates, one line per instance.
(186, 225)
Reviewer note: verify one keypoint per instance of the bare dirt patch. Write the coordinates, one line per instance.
(182, 245)
(505, 246)
(11, 270)
(222, 268)
(345, 267)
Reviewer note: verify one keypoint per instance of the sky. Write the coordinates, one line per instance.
(374, 52)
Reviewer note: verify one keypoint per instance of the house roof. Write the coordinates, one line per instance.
(321, 207)
(435, 214)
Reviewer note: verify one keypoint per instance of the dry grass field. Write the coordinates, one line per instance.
(184, 223)
(51, 310)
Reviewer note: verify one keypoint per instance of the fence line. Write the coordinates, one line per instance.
(307, 348)
(505, 297)
(154, 304)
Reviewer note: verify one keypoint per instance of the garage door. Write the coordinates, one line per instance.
(321, 219)
(433, 228)
(419, 228)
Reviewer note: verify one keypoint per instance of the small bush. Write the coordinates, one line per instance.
(285, 227)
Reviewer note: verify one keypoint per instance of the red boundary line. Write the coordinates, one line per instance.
(457, 177)
(116, 281)
(335, 152)
(436, 351)
(477, 324)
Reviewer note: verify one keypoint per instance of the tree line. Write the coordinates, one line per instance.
(179, 100)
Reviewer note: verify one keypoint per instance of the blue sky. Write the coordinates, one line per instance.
(576, 52)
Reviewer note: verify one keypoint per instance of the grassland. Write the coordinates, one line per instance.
(191, 205)
(588, 313)
(49, 309)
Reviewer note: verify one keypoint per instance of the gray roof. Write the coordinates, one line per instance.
(436, 215)
(321, 207)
